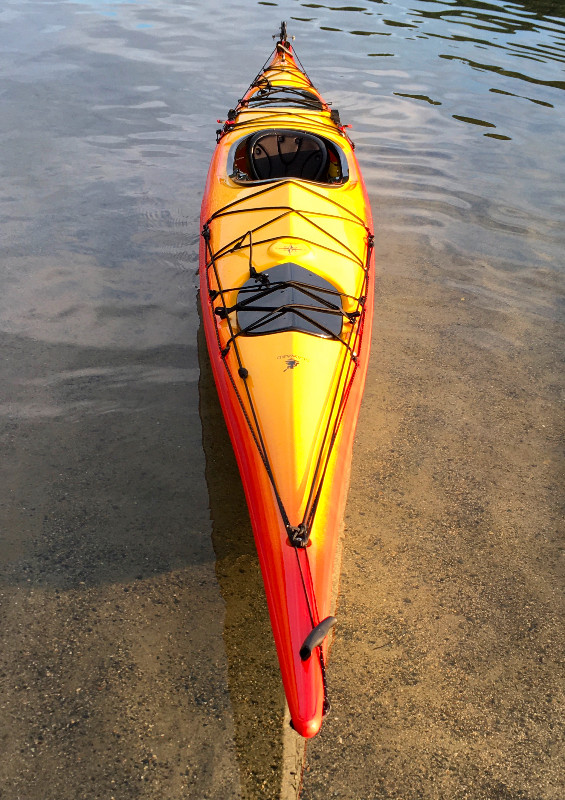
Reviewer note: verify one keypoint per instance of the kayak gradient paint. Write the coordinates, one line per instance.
(290, 396)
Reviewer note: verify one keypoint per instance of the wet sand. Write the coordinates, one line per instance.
(136, 657)
(447, 670)
(113, 673)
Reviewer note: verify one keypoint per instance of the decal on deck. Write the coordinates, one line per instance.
(291, 360)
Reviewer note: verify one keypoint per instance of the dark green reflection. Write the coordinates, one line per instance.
(423, 97)
(523, 97)
(255, 686)
(494, 27)
(474, 121)
(544, 8)
(507, 73)
(497, 13)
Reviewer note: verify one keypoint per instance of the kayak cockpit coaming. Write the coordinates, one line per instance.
(249, 120)
(282, 153)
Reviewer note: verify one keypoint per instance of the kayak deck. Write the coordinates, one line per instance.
(286, 288)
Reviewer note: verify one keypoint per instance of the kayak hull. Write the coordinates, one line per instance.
(290, 397)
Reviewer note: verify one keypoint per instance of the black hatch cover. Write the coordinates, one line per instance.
(288, 297)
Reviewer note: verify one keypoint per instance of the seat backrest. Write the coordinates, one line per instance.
(287, 154)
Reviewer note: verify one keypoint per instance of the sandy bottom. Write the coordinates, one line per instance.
(136, 659)
(447, 670)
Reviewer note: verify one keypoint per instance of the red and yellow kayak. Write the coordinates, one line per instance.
(286, 280)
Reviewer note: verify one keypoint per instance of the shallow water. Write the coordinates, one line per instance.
(132, 608)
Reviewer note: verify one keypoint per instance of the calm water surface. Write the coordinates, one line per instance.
(117, 476)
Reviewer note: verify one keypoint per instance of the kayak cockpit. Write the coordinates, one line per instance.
(276, 154)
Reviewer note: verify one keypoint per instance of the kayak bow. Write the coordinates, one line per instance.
(286, 283)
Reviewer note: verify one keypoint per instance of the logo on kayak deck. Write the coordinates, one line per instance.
(291, 360)
(288, 247)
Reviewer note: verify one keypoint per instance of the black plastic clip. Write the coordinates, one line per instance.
(262, 277)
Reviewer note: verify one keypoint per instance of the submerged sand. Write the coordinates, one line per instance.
(447, 670)
(136, 659)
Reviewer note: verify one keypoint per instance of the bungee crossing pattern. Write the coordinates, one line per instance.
(323, 301)
(298, 535)
(259, 109)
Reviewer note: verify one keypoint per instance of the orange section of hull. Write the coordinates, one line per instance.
(291, 428)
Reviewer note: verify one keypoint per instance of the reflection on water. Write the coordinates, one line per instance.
(107, 128)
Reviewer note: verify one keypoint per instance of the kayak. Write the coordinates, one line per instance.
(286, 288)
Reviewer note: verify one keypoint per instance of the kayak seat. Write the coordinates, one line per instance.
(287, 154)
(289, 298)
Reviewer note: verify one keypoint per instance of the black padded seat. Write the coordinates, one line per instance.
(287, 154)
(263, 311)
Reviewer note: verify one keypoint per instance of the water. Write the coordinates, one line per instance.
(133, 619)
